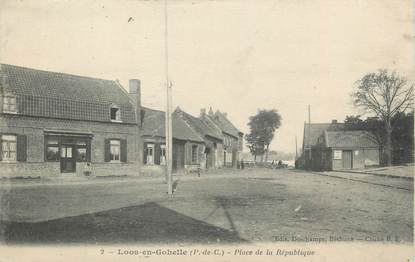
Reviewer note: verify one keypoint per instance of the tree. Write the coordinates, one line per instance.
(403, 138)
(256, 148)
(262, 127)
(385, 94)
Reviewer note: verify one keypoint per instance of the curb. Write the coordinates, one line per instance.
(374, 174)
(361, 181)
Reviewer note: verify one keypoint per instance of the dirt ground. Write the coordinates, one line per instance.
(254, 205)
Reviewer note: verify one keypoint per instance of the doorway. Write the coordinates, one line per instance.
(347, 157)
(67, 159)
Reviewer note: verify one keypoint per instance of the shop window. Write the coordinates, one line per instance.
(115, 150)
(81, 151)
(52, 149)
(8, 148)
(9, 104)
(194, 153)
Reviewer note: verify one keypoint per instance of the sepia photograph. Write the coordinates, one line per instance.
(207, 130)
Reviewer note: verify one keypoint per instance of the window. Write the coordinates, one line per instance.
(115, 113)
(52, 149)
(66, 151)
(162, 154)
(150, 154)
(55, 150)
(115, 150)
(194, 153)
(81, 151)
(9, 104)
(8, 147)
(228, 158)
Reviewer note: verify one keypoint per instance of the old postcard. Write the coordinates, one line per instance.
(267, 130)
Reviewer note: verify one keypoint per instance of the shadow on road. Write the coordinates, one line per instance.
(149, 223)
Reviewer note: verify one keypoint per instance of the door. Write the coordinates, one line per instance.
(347, 159)
(224, 158)
(209, 158)
(178, 156)
(67, 159)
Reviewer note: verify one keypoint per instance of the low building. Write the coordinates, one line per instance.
(336, 150)
(331, 147)
(56, 124)
(311, 133)
(188, 145)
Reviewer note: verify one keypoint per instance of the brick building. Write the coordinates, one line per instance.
(188, 145)
(55, 124)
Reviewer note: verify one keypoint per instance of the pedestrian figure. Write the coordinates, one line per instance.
(242, 164)
(175, 185)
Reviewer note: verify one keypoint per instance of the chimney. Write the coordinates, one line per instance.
(135, 95)
(334, 121)
(210, 111)
(202, 112)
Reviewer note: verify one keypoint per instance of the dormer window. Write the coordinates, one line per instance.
(9, 104)
(115, 113)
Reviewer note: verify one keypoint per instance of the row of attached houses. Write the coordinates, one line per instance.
(198, 142)
(328, 146)
(55, 123)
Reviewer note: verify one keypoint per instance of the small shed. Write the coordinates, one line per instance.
(348, 149)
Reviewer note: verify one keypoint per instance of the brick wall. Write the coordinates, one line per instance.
(34, 129)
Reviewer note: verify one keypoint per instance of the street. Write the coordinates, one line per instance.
(253, 205)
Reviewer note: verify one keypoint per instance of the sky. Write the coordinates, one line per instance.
(235, 56)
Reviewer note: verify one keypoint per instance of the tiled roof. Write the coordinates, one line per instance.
(201, 127)
(68, 96)
(350, 139)
(224, 124)
(154, 126)
(314, 130)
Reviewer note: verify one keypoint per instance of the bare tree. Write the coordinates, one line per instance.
(385, 94)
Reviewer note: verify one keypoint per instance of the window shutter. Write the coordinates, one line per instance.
(107, 150)
(21, 148)
(1, 146)
(123, 145)
(45, 148)
(188, 153)
(157, 154)
(145, 153)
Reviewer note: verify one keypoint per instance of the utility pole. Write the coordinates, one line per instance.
(296, 153)
(168, 124)
(309, 132)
